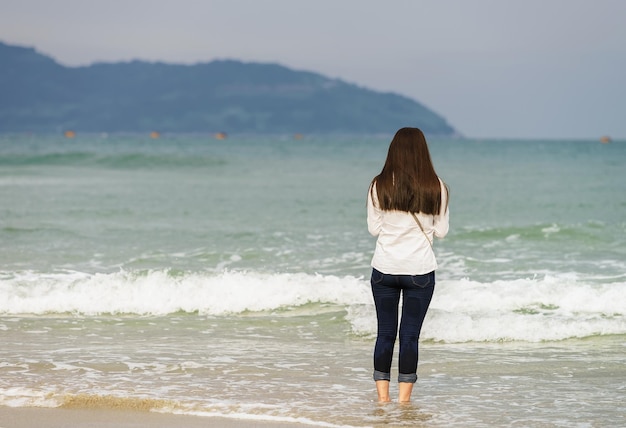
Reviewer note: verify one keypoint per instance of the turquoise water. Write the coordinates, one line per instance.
(152, 268)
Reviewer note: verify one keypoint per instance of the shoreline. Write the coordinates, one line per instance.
(56, 417)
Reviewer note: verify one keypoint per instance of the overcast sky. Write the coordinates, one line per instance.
(492, 68)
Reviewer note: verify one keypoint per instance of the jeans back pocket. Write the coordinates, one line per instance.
(423, 281)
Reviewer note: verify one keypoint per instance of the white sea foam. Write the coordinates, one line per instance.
(27, 397)
(252, 418)
(160, 293)
(534, 309)
(551, 308)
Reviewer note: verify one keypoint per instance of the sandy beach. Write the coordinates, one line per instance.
(30, 417)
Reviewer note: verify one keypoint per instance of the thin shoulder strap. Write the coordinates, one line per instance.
(421, 228)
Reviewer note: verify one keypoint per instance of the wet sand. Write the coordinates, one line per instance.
(30, 417)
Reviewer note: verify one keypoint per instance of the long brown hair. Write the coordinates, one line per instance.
(408, 181)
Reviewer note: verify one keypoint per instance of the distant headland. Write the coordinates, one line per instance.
(41, 95)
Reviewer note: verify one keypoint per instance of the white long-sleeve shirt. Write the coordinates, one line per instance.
(401, 247)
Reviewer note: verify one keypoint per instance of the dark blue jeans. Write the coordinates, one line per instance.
(417, 292)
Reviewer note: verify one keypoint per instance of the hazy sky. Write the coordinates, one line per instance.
(492, 68)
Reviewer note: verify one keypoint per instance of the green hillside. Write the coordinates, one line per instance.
(40, 95)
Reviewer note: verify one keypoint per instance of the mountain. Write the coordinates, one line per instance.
(40, 95)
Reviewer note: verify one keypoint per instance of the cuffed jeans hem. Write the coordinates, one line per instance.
(407, 377)
(381, 376)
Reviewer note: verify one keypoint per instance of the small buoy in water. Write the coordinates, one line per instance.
(220, 136)
(155, 134)
(298, 136)
(605, 139)
(69, 134)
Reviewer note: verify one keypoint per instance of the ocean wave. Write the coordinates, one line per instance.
(591, 232)
(163, 292)
(534, 309)
(130, 160)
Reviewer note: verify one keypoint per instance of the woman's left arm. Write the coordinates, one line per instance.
(374, 213)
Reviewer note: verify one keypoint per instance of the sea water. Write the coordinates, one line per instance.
(230, 277)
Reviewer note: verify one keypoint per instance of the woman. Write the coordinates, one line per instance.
(407, 206)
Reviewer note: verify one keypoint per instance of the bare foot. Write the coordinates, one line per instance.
(382, 388)
(404, 392)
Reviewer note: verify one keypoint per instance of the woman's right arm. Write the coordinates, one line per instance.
(441, 222)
